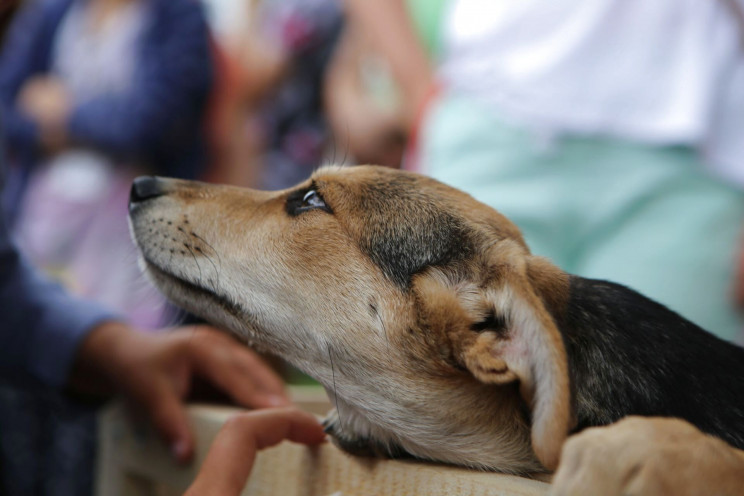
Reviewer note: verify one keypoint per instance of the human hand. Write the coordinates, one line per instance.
(46, 101)
(230, 459)
(648, 456)
(155, 373)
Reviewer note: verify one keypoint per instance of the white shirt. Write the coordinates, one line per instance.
(654, 71)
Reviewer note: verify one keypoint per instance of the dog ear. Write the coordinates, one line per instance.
(500, 330)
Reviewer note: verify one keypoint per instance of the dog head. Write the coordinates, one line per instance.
(420, 310)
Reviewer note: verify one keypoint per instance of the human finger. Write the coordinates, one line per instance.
(231, 456)
(166, 412)
(237, 371)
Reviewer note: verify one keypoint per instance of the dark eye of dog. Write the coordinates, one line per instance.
(312, 200)
(305, 200)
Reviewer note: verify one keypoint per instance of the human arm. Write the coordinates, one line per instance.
(364, 112)
(230, 459)
(42, 324)
(261, 64)
(388, 27)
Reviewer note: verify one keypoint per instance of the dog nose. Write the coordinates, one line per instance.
(146, 187)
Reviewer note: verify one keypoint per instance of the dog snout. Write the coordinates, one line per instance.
(146, 188)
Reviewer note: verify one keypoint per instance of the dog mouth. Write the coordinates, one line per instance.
(167, 281)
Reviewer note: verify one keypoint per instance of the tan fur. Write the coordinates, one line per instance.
(403, 365)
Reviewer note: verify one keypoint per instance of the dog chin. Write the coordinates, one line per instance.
(196, 299)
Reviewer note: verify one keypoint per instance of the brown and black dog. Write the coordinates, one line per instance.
(434, 330)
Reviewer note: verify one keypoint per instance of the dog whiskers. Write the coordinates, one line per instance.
(187, 244)
(217, 269)
(201, 280)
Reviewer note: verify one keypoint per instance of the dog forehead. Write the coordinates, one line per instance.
(403, 222)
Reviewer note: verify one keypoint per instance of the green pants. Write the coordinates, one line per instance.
(645, 216)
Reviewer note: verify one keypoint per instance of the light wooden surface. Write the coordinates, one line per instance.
(132, 461)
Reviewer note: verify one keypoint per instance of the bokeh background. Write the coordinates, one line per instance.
(610, 131)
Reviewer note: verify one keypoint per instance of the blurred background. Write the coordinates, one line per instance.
(610, 131)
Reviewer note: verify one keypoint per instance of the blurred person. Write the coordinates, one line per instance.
(94, 93)
(290, 118)
(610, 132)
(276, 65)
(246, 67)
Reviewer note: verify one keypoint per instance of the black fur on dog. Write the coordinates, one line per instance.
(629, 355)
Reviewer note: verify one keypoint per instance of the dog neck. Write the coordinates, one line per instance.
(494, 438)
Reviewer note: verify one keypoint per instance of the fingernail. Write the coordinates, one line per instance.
(180, 449)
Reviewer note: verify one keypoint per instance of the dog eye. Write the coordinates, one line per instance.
(305, 200)
(312, 200)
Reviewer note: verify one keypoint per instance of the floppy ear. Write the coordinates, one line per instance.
(501, 332)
